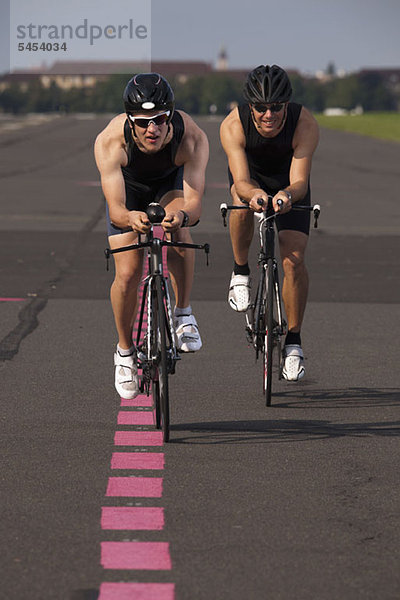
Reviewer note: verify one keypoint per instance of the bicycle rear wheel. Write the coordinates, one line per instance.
(269, 330)
(162, 359)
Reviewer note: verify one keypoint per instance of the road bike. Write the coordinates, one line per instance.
(265, 323)
(155, 338)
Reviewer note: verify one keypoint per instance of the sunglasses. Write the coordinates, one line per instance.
(262, 108)
(144, 122)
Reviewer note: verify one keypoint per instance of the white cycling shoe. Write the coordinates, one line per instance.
(187, 333)
(126, 376)
(239, 292)
(293, 363)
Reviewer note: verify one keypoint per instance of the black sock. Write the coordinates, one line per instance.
(241, 269)
(293, 338)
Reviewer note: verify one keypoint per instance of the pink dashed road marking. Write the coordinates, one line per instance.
(137, 591)
(137, 460)
(132, 518)
(11, 299)
(143, 487)
(136, 555)
(141, 400)
(138, 438)
(135, 418)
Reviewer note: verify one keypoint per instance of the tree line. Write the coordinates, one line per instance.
(214, 92)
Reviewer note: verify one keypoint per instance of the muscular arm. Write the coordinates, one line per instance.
(234, 143)
(194, 154)
(110, 156)
(305, 142)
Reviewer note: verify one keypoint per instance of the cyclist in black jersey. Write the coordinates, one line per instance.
(269, 142)
(150, 153)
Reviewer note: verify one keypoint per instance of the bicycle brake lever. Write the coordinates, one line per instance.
(107, 255)
(207, 251)
(224, 209)
(317, 211)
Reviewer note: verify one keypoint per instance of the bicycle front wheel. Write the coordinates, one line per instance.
(162, 358)
(269, 330)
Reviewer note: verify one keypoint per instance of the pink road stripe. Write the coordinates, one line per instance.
(138, 438)
(135, 487)
(141, 400)
(136, 555)
(137, 417)
(137, 460)
(137, 591)
(132, 518)
(11, 299)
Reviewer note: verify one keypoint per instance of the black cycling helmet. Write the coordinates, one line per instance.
(148, 91)
(267, 85)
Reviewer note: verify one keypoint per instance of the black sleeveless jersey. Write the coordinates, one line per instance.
(269, 159)
(149, 169)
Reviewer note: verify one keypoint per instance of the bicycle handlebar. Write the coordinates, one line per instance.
(224, 207)
(156, 214)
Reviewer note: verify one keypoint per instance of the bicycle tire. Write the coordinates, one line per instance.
(155, 391)
(269, 330)
(155, 385)
(258, 324)
(162, 358)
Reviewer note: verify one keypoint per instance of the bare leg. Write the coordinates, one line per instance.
(181, 267)
(241, 228)
(180, 260)
(124, 290)
(295, 285)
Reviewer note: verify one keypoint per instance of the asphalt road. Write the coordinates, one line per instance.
(298, 501)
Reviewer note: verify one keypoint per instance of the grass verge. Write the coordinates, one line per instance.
(383, 126)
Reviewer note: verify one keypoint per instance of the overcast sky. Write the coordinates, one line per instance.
(304, 34)
(301, 34)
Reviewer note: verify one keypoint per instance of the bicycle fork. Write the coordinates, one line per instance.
(255, 324)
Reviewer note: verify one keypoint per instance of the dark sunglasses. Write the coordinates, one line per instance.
(144, 122)
(262, 108)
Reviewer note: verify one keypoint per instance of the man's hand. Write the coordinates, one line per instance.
(172, 221)
(285, 205)
(139, 221)
(258, 193)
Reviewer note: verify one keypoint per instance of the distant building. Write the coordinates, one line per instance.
(222, 60)
(84, 74)
(81, 74)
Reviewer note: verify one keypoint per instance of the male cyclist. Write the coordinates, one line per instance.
(270, 142)
(150, 153)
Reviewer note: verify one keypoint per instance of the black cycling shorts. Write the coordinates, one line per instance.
(139, 195)
(295, 220)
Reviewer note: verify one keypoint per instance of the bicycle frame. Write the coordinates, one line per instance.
(256, 327)
(146, 359)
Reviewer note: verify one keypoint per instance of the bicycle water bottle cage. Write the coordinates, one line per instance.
(155, 212)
